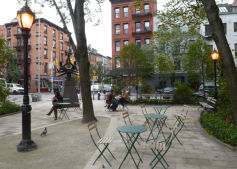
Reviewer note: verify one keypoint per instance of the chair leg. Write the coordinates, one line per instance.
(101, 154)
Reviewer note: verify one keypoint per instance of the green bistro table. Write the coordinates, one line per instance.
(63, 110)
(160, 109)
(133, 133)
(155, 122)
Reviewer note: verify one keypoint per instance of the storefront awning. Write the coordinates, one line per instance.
(46, 77)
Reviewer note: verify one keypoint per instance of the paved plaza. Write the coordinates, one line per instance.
(68, 144)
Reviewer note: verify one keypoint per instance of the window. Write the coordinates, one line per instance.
(235, 26)
(125, 12)
(46, 68)
(18, 55)
(61, 46)
(138, 42)
(147, 41)
(225, 27)
(18, 42)
(117, 14)
(61, 57)
(125, 28)
(147, 26)
(9, 43)
(146, 8)
(54, 43)
(45, 53)
(61, 36)
(45, 29)
(45, 40)
(54, 55)
(19, 30)
(54, 33)
(117, 29)
(235, 49)
(117, 46)
(8, 31)
(138, 26)
(125, 42)
(208, 30)
(117, 62)
(137, 11)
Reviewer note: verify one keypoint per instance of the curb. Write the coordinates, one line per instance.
(214, 138)
(9, 114)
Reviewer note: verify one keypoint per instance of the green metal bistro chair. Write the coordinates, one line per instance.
(144, 112)
(102, 141)
(159, 149)
(128, 121)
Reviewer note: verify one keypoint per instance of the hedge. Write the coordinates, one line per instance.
(9, 107)
(216, 126)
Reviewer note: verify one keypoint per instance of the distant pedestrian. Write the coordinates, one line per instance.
(98, 95)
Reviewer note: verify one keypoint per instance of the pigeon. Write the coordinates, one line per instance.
(44, 132)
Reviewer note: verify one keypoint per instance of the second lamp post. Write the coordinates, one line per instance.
(215, 57)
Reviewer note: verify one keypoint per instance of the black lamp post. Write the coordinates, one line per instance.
(25, 19)
(215, 57)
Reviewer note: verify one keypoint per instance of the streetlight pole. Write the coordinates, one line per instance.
(215, 57)
(39, 48)
(25, 20)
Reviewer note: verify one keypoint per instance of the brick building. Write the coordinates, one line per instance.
(130, 24)
(54, 42)
(95, 57)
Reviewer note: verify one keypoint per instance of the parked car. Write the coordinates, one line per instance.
(209, 87)
(96, 87)
(169, 90)
(107, 87)
(15, 88)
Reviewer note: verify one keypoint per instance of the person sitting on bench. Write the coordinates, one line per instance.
(124, 98)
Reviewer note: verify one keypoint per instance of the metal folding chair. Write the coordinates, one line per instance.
(128, 121)
(144, 112)
(102, 141)
(160, 149)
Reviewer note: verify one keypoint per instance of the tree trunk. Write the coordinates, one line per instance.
(227, 61)
(81, 51)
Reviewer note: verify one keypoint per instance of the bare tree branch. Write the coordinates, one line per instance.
(65, 26)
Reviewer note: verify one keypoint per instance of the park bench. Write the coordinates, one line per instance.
(210, 103)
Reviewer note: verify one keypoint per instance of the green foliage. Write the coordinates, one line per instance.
(9, 107)
(216, 126)
(4, 92)
(98, 69)
(146, 88)
(194, 80)
(177, 13)
(183, 93)
(198, 59)
(224, 104)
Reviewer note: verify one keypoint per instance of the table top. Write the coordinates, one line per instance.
(131, 129)
(160, 106)
(64, 103)
(155, 116)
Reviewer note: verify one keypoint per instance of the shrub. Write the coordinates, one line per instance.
(4, 92)
(146, 88)
(9, 107)
(183, 93)
(216, 126)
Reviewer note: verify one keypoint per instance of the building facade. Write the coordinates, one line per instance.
(53, 41)
(228, 15)
(130, 24)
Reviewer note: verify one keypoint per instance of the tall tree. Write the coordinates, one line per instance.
(74, 11)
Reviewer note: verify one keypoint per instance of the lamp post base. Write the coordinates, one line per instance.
(26, 145)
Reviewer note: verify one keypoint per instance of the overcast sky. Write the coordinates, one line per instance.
(98, 36)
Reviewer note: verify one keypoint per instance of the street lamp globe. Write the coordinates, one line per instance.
(25, 17)
(215, 55)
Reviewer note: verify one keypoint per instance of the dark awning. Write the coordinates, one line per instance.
(122, 72)
(46, 77)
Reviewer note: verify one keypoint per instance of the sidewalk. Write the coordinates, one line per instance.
(69, 146)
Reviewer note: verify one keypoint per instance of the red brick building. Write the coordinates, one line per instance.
(53, 40)
(130, 24)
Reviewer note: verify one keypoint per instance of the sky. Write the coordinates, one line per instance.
(100, 37)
